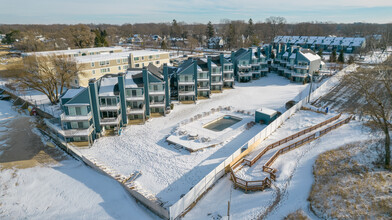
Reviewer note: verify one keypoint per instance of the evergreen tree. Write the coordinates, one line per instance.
(250, 29)
(341, 57)
(100, 38)
(163, 45)
(210, 32)
(10, 37)
(332, 57)
(320, 52)
(175, 29)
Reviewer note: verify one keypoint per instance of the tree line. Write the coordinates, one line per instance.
(236, 33)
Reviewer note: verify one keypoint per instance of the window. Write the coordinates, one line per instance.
(102, 63)
(142, 58)
(92, 64)
(76, 81)
(107, 62)
(125, 60)
(136, 58)
(150, 57)
(119, 67)
(133, 93)
(118, 61)
(157, 56)
(125, 67)
(157, 62)
(93, 71)
(137, 65)
(108, 70)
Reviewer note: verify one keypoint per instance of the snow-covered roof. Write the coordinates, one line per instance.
(107, 86)
(102, 57)
(137, 53)
(70, 93)
(267, 111)
(133, 78)
(310, 55)
(75, 51)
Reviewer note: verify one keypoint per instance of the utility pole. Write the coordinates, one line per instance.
(310, 89)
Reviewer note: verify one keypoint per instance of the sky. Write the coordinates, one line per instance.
(191, 11)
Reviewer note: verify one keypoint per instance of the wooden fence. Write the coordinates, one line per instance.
(259, 185)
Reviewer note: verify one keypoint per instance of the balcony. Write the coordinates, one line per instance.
(110, 107)
(264, 69)
(78, 132)
(245, 74)
(154, 104)
(203, 88)
(247, 66)
(217, 83)
(186, 92)
(204, 79)
(55, 126)
(219, 73)
(228, 79)
(186, 82)
(66, 118)
(160, 92)
(135, 111)
(135, 98)
(111, 121)
(306, 67)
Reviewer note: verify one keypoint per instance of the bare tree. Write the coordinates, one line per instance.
(81, 36)
(375, 86)
(276, 24)
(46, 74)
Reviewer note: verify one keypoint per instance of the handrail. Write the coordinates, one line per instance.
(266, 182)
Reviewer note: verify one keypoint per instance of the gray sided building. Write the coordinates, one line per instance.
(249, 64)
(112, 102)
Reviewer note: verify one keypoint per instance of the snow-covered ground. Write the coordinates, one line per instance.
(294, 177)
(63, 189)
(206, 137)
(168, 172)
(35, 97)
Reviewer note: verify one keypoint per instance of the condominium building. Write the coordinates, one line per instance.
(296, 63)
(111, 102)
(324, 43)
(97, 62)
(249, 64)
(77, 52)
(198, 78)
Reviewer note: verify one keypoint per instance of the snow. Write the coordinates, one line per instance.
(70, 93)
(169, 172)
(267, 111)
(294, 177)
(214, 137)
(65, 189)
(6, 111)
(107, 86)
(35, 97)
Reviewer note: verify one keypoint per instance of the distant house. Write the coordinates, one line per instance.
(156, 38)
(215, 43)
(135, 39)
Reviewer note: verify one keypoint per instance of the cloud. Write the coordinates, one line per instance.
(121, 11)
